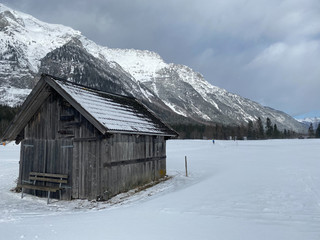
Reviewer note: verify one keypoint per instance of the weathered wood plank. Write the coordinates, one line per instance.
(133, 161)
(41, 188)
(43, 179)
(75, 170)
(51, 175)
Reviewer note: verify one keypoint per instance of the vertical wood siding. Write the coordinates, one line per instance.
(44, 149)
(130, 161)
(58, 139)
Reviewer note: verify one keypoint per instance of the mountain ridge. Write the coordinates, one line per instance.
(30, 46)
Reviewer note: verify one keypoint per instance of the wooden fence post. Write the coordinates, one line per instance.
(186, 165)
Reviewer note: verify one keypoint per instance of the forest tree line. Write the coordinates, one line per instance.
(254, 130)
(314, 133)
(251, 131)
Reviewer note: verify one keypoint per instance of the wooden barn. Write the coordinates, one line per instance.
(91, 144)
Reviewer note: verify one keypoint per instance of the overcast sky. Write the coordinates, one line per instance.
(264, 50)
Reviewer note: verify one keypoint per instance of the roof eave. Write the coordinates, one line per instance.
(176, 134)
(141, 133)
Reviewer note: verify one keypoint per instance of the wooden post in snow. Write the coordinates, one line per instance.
(186, 165)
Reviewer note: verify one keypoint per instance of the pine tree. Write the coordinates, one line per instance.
(6, 115)
(317, 134)
(260, 129)
(310, 130)
(285, 133)
(250, 134)
(269, 131)
(276, 133)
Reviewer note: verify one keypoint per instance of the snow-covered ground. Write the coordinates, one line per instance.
(235, 190)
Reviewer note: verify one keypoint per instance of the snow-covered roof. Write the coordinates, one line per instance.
(115, 112)
(109, 113)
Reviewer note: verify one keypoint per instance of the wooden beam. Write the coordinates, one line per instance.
(133, 161)
(49, 175)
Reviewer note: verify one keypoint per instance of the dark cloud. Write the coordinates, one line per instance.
(264, 50)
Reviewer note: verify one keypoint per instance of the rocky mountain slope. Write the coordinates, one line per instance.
(29, 47)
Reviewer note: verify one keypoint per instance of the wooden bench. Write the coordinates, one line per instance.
(36, 178)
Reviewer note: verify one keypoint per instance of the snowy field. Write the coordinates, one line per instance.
(235, 190)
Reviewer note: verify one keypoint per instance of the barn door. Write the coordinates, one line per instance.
(26, 160)
(58, 156)
(47, 156)
(86, 171)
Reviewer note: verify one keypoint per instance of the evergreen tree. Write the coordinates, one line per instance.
(250, 133)
(317, 134)
(276, 133)
(310, 130)
(285, 133)
(6, 116)
(240, 132)
(260, 129)
(218, 131)
(269, 131)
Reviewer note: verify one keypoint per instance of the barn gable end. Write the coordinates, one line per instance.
(105, 143)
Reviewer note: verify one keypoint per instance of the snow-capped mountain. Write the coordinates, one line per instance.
(308, 120)
(30, 47)
(24, 41)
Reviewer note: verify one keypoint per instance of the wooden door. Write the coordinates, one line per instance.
(86, 170)
(26, 160)
(47, 156)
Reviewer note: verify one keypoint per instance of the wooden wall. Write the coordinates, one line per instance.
(108, 166)
(130, 161)
(58, 139)
(44, 149)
